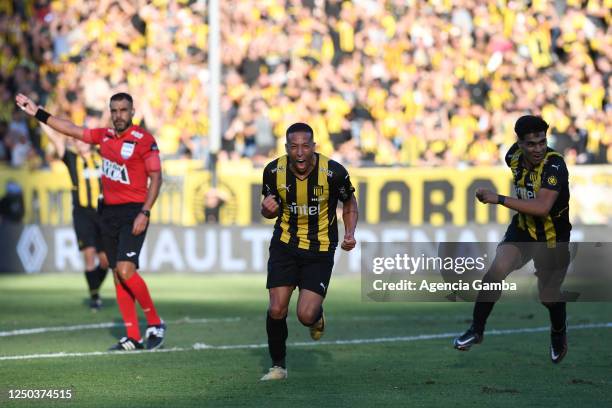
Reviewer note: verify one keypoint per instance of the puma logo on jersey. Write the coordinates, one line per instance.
(286, 187)
(556, 166)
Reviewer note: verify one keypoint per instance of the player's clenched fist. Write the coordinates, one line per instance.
(486, 196)
(348, 243)
(269, 207)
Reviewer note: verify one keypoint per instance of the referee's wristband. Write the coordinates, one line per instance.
(42, 115)
(501, 199)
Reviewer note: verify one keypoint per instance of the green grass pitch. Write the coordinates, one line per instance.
(347, 368)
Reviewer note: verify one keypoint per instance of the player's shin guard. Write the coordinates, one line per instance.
(277, 337)
(127, 307)
(93, 283)
(138, 287)
(558, 315)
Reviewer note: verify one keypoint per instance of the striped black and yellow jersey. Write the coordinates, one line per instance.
(551, 174)
(85, 178)
(307, 213)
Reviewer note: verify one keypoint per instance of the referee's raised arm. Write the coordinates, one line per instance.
(63, 126)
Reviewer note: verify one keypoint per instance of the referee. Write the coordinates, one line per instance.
(83, 164)
(302, 190)
(131, 179)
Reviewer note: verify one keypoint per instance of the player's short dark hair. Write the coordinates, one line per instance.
(529, 124)
(299, 127)
(122, 96)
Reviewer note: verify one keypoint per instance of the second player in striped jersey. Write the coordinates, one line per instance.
(83, 163)
(539, 231)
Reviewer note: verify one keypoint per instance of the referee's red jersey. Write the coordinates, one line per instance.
(124, 157)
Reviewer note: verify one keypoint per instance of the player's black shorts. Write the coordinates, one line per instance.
(119, 242)
(288, 266)
(551, 262)
(86, 223)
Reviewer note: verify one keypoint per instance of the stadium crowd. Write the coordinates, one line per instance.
(397, 82)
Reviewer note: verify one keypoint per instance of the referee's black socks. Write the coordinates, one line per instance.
(277, 337)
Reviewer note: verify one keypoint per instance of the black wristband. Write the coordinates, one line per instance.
(147, 213)
(42, 115)
(501, 199)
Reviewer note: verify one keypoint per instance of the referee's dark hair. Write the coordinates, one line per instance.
(299, 127)
(529, 124)
(122, 96)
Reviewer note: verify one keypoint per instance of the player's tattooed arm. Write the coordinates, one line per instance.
(350, 215)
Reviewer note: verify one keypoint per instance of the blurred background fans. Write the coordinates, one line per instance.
(417, 98)
(393, 83)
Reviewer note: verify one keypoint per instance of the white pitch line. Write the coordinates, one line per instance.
(107, 325)
(203, 346)
(185, 320)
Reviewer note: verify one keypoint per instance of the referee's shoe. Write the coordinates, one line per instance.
(468, 339)
(127, 344)
(155, 336)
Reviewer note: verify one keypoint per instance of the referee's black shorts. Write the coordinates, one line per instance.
(87, 227)
(288, 266)
(119, 242)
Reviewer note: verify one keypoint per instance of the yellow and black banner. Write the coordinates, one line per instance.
(415, 196)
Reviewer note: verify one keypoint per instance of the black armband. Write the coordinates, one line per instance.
(42, 115)
(501, 199)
